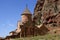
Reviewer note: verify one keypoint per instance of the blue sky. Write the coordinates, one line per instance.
(10, 13)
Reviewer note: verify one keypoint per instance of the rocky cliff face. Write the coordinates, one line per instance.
(47, 12)
(37, 11)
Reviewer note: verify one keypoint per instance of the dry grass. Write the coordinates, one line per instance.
(45, 37)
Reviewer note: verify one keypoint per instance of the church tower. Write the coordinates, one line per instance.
(26, 16)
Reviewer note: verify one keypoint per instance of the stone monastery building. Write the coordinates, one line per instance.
(45, 19)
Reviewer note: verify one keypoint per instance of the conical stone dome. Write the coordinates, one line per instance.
(26, 11)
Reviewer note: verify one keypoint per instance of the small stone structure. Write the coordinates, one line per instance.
(1, 38)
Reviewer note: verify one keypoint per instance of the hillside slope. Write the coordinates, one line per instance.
(46, 37)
